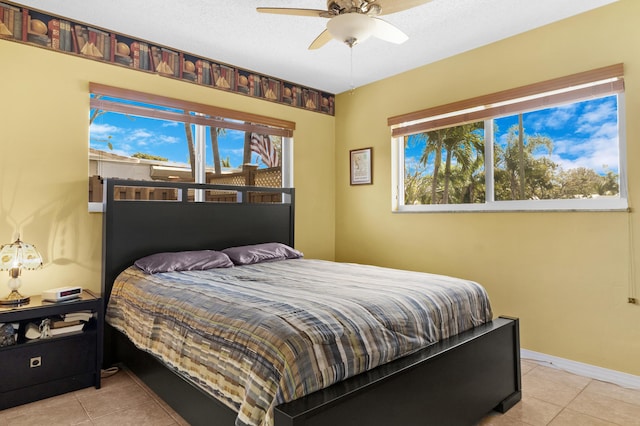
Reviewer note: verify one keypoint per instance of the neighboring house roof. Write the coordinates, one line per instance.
(97, 154)
(159, 169)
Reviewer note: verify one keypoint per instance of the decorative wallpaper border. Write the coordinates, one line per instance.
(21, 24)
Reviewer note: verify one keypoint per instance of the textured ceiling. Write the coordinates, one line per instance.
(233, 32)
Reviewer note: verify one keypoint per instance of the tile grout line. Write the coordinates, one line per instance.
(155, 398)
(566, 406)
(75, 395)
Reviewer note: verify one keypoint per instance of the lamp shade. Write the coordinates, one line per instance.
(351, 28)
(19, 255)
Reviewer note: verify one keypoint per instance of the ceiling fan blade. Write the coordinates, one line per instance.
(292, 11)
(392, 6)
(321, 40)
(387, 32)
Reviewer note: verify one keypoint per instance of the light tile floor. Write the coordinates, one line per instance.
(550, 397)
(557, 398)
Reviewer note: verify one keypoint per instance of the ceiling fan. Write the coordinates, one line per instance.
(353, 21)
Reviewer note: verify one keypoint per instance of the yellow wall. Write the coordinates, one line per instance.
(564, 274)
(44, 130)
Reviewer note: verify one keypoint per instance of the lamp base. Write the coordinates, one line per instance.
(15, 299)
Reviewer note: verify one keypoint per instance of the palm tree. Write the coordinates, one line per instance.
(246, 157)
(433, 145)
(215, 132)
(460, 143)
(517, 157)
(96, 112)
(416, 182)
(521, 154)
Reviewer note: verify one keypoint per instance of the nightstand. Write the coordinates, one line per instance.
(36, 369)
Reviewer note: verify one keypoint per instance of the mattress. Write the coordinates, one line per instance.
(256, 336)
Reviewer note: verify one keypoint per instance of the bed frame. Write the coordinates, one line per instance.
(454, 382)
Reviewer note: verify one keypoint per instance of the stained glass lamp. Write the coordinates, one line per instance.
(13, 258)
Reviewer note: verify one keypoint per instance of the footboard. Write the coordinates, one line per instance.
(454, 382)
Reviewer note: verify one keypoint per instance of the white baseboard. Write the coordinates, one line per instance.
(604, 374)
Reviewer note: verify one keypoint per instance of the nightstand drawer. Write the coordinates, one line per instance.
(47, 360)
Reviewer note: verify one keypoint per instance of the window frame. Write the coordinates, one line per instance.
(574, 88)
(217, 117)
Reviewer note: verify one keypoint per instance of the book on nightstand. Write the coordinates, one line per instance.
(67, 323)
(56, 331)
(78, 315)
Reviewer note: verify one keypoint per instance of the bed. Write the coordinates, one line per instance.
(453, 379)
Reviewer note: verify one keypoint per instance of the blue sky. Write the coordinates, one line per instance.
(129, 135)
(584, 134)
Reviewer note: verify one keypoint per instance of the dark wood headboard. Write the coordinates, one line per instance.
(137, 228)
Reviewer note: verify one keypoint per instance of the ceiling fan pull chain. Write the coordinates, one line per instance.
(353, 86)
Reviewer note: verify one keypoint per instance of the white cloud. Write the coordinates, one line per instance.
(596, 115)
(104, 130)
(139, 134)
(584, 134)
(144, 137)
(550, 119)
(558, 119)
(167, 139)
(594, 153)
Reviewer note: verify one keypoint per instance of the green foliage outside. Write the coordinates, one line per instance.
(146, 156)
(451, 170)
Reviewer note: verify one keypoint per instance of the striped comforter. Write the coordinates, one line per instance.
(258, 335)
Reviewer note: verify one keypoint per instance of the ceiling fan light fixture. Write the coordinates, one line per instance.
(351, 28)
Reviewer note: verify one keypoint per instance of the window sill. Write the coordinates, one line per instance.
(96, 207)
(587, 205)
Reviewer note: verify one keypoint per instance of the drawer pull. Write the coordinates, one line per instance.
(36, 361)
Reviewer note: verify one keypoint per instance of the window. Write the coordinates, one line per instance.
(556, 145)
(146, 137)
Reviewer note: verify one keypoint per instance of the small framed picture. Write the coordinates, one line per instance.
(361, 172)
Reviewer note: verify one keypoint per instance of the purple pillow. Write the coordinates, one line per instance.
(267, 252)
(183, 261)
